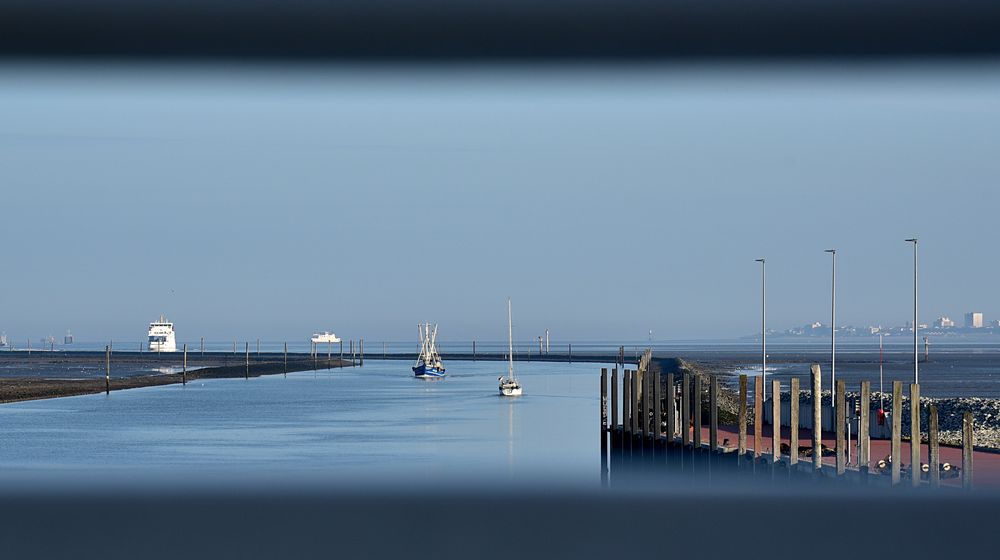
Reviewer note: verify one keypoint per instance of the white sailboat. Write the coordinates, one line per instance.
(509, 387)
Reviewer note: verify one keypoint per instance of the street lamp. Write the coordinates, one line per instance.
(763, 326)
(916, 325)
(833, 322)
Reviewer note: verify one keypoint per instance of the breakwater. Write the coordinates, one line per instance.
(649, 418)
(40, 375)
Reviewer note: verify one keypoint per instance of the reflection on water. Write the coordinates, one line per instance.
(372, 423)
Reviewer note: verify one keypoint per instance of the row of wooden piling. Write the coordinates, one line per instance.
(646, 426)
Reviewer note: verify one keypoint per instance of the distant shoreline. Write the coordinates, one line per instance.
(210, 366)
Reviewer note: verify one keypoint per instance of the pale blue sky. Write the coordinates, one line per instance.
(271, 202)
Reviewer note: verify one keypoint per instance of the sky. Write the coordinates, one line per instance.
(275, 201)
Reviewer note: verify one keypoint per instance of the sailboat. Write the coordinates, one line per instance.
(428, 364)
(509, 387)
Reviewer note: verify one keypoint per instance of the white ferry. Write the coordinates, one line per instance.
(324, 338)
(161, 336)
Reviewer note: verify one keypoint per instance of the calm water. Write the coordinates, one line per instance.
(341, 426)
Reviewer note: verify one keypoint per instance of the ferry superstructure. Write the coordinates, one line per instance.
(324, 338)
(161, 336)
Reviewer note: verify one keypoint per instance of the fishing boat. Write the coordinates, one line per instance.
(428, 364)
(161, 336)
(509, 387)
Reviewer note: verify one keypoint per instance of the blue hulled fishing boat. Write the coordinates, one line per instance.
(428, 364)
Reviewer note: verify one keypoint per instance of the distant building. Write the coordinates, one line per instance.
(974, 320)
(944, 323)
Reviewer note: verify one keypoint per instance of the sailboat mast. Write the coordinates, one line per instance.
(510, 343)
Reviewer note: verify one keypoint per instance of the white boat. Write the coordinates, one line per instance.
(428, 364)
(3, 340)
(509, 387)
(324, 338)
(161, 336)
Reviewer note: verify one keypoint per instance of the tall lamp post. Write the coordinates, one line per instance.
(916, 324)
(833, 322)
(763, 326)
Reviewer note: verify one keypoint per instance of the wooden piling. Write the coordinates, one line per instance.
(636, 412)
(915, 464)
(758, 415)
(202, 347)
(184, 368)
(967, 450)
(685, 426)
(644, 414)
(841, 424)
(933, 451)
(362, 357)
(775, 420)
(864, 423)
(604, 426)
(107, 370)
(713, 414)
(897, 429)
(657, 407)
(247, 374)
(697, 411)
(817, 430)
(741, 442)
(627, 412)
(793, 422)
(474, 351)
(571, 353)
(258, 348)
(285, 371)
(341, 352)
(670, 398)
(614, 400)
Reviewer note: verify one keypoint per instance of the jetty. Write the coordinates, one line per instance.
(674, 421)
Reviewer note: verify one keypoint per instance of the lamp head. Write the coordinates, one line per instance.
(914, 240)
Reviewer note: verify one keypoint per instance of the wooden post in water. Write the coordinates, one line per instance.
(793, 422)
(933, 451)
(329, 356)
(643, 405)
(361, 356)
(342, 352)
(657, 411)
(967, 450)
(285, 371)
(258, 348)
(775, 420)
(841, 421)
(864, 424)
(636, 411)
(234, 348)
(713, 414)
(697, 411)
(647, 413)
(571, 353)
(627, 413)
(915, 465)
(107, 370)
(817, 431)
(184, 368)
(202, 347)
(741, 442)
(670, 399)
(897, 429)
(685, 426)
(604, 426)
(615, 433)
(758, 415)
(247, 348)
(474, 351)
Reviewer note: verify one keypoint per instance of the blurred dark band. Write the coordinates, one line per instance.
(510, 29)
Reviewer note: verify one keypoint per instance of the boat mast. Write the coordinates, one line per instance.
(510, 343)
